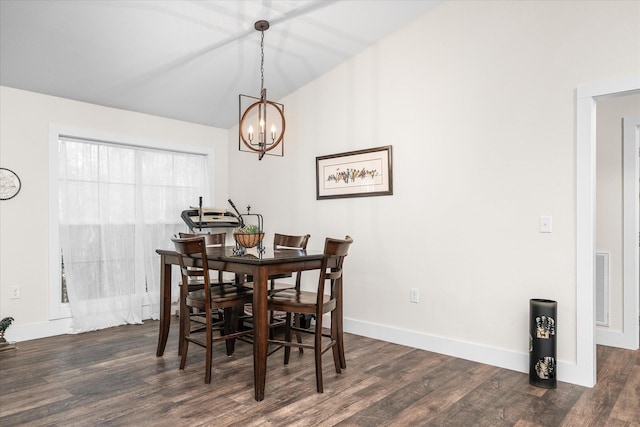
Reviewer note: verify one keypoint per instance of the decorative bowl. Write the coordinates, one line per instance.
(248, 240)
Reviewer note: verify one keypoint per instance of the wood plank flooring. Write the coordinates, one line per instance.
(112, 377)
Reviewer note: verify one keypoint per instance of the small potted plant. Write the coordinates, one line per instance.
(248, 236)
(4, 325)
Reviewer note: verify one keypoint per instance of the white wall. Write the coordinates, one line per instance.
(478, 100)
(25, 119)
(609, 194)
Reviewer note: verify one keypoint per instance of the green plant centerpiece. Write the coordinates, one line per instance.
(248, 236)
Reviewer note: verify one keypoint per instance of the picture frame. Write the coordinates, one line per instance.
(374, 174)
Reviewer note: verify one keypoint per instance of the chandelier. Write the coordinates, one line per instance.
(256, 133)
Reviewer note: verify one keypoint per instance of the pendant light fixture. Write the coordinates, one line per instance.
(262, 122)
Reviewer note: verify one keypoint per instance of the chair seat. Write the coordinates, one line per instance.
(296, 301)
(195, 285)
(248, 310)
(219, 294)
(213, 282)
(272, 276)
(273, 287)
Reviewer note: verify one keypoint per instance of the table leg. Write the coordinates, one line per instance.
(260, 332)
(165, 304)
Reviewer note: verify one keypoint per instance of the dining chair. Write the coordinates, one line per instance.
(276, 318)
(228, 297)
(283, 241)
(317, 303)
(188, 315)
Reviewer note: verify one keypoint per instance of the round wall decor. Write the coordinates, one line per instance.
(9, 184)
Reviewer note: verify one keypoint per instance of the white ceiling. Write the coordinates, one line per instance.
(186, 59)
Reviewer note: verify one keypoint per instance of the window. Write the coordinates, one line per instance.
(117, 204)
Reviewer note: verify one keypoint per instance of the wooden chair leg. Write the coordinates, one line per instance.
(334, 342)
(183, 317)
(340, 327)
(209, 341)
(318, 355)
(287, 338)
(271, 316)
(336, 317)
(340, 345)
(231, 319)
(183, 357)
(184, 343)
(272, 320)
(298, 323)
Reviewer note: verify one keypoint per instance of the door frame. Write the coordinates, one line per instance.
(629, 336)
(586, 99)
(631, 233)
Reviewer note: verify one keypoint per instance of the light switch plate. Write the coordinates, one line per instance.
(545, 224)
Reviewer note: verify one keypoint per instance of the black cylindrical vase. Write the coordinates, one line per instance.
(542, 342)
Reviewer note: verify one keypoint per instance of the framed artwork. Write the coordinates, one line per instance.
(359, 173)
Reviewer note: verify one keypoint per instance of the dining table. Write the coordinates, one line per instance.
(260, 264)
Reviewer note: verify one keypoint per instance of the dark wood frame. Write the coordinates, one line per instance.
(377, 159)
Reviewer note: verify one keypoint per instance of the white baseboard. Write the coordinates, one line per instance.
(34, 331)
(515, 361)
(612, 338)
(567, 372)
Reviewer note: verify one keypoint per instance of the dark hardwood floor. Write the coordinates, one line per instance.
(112, 377)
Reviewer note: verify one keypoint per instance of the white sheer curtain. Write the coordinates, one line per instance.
(170, 184)
(118, 204)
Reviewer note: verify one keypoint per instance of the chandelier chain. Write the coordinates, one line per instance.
(261, 61)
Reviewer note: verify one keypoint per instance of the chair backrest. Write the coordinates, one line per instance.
(335, 250)
(210, 240)
(187, 249)
(284, 241)
(214, 239)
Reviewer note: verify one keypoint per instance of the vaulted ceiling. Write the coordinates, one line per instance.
(187, 60)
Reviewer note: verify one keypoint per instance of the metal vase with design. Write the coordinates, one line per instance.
(542, 342)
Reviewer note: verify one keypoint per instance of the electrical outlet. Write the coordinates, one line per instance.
(414, 295)
(15, 292)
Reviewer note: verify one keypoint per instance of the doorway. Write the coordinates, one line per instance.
(616, 221)
(631, 275)
(586, 99)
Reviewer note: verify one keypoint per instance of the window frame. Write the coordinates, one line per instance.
(58, 309)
